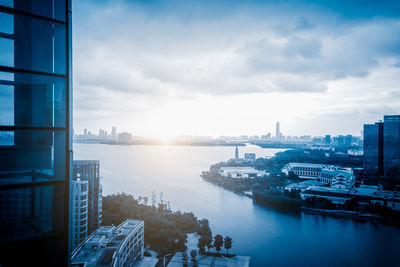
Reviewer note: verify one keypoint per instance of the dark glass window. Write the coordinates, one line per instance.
(53, 9)
(32, 100)
(41, 44)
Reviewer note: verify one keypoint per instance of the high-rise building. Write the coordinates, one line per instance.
(35, 132)
(328, 140)
(391, 146)
(114, 135)
(79, 212)
(89, 170)
(277, 131)
(373, 150)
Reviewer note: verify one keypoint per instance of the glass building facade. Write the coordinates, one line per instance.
(35, 132)
(391, 146)
(373, 150)
(382, 148)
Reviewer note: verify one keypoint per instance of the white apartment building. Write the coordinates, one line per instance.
(79, 214)
(338, 178)
(112, 246)
(304, 170)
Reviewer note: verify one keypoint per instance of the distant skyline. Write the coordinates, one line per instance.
(167, 68)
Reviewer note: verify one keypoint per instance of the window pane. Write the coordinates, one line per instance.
(6, 138)
(54, 9)
(32, 100)
(35, 156)
(6, 52)
(6, 104)
(6, 23)
(35, 44)
(31, 212)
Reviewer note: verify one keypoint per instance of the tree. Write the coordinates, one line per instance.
(218, 242)
(185, 259)
(202, 243)
(227, 243)
(193, 254)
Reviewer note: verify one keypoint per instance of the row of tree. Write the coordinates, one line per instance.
(165, 231)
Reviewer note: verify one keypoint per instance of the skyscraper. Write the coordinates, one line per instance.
(89, 170)
(35, 132)
(114, 135)
(391, 146)
(236, 153)
(373, 150)
(277, 131)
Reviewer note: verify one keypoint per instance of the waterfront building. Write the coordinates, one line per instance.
(334, 176)
(79, 211)
(338, 178)
(250, 157)
(124, 138)
(336, 196)
(364, 194)
(241, 172)
(35, 132)
(112, 246)
(303, 185)
(89, 170)
(304, 170)
(391, 146)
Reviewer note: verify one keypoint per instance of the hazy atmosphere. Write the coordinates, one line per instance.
(230, 68)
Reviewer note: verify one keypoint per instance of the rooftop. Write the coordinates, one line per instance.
(98, 249)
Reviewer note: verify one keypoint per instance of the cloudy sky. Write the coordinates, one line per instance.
(166, 68)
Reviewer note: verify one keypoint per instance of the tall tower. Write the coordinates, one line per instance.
(391, 146)
(373, 150)
(278, 132)
(236, 153)
(114, 133)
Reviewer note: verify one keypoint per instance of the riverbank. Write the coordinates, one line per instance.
(290, 202)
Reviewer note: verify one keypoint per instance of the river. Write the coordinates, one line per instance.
(269, 237)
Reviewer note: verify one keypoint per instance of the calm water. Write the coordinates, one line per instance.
(269, 237)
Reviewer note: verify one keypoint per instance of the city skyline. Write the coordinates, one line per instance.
(215, 69)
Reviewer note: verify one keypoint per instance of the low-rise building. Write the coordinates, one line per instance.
(338, 178)
(335, 195)
(250, 156)
(364, 194)
(303, 170)
(111, 246)
(241, 172)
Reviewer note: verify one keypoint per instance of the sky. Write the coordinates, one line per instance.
(167, 68)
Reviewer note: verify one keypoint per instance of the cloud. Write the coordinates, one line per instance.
(152, 53)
